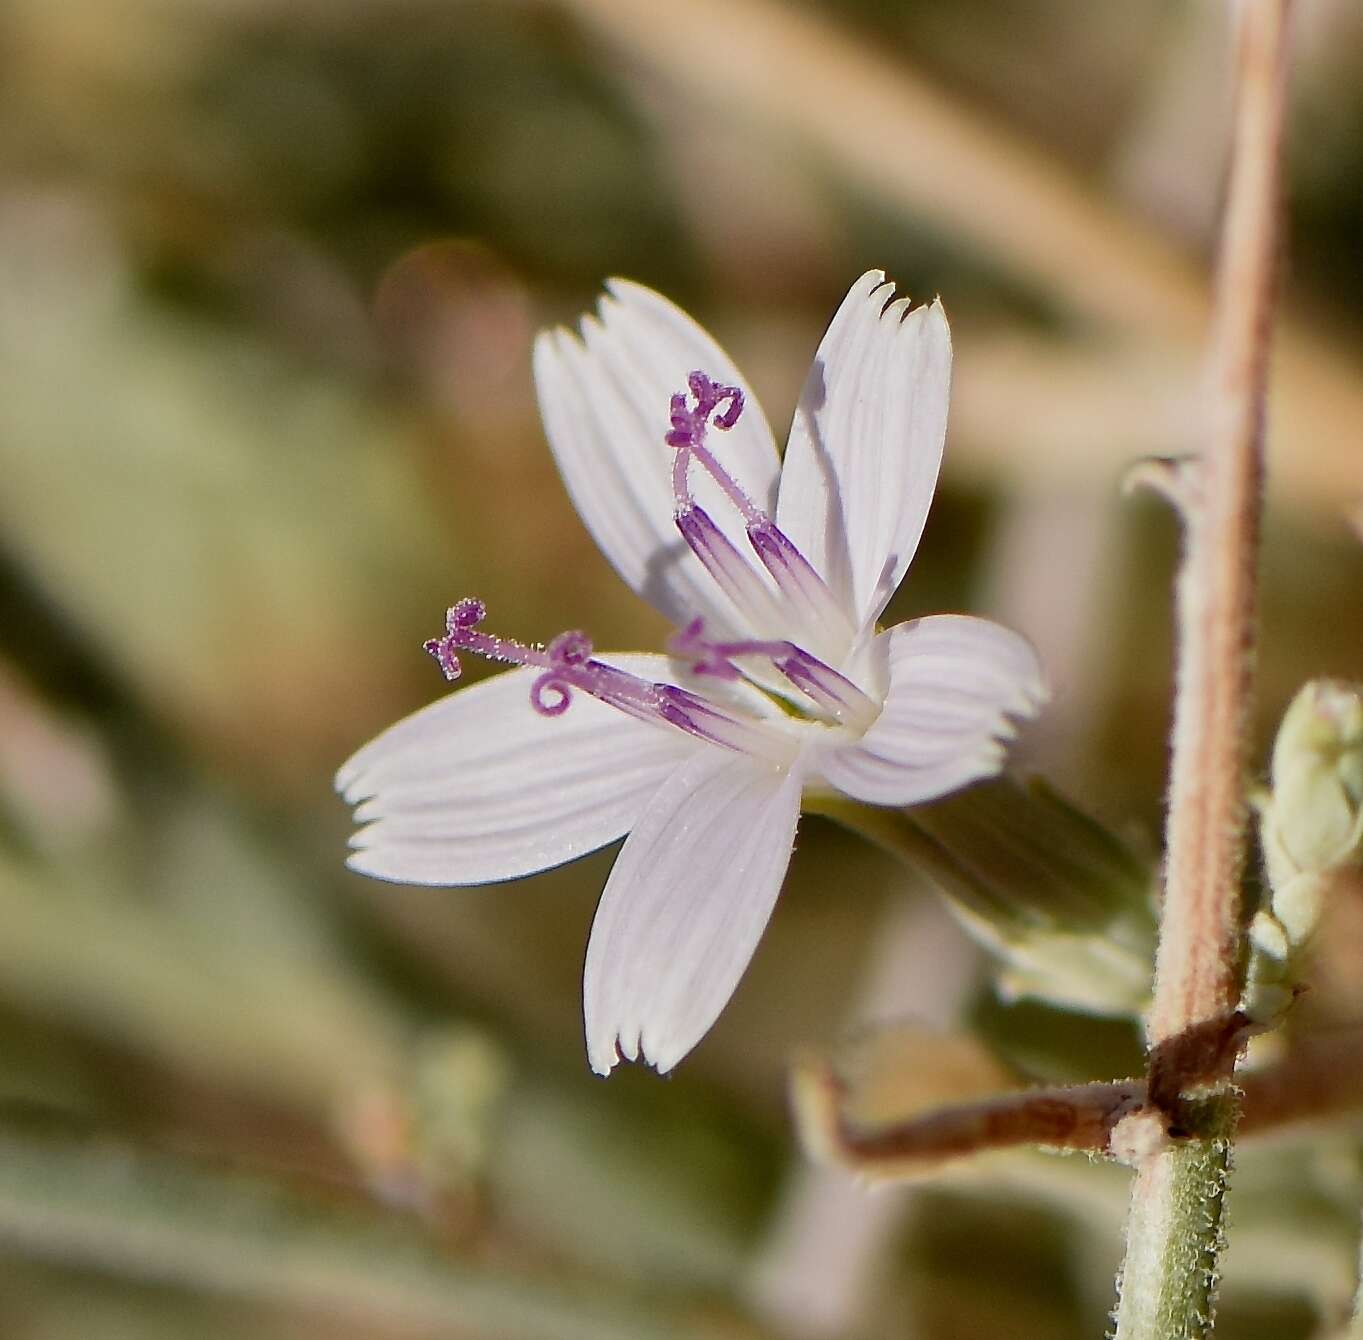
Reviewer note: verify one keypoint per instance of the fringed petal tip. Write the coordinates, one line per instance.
(347, 781)
(1031, 692)
(684, 908)
(866, 442)
(661, 1055)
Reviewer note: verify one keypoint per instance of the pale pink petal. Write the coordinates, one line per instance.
(604, 399)
(866, 443)
(954, 684)
(480, 787)
(685, 906)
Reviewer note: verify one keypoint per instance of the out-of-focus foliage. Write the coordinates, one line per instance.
(269, 275)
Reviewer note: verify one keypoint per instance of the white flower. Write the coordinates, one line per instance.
(779, 681)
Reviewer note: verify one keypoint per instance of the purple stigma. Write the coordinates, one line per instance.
(689, 424)
(570, 660)
(460, 618)
(687, 435)
(566, 661)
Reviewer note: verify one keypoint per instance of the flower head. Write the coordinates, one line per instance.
(778, 680)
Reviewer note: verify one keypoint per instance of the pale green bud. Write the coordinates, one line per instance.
(1313, 820)
(1311, 827)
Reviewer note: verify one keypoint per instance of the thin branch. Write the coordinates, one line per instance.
(1076, 1117)
(1321, 1080)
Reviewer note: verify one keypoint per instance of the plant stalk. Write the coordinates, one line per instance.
(1174, 1229)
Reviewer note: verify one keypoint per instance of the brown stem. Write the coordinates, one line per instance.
(1196, 977)
(1079, 1117)
(1174, 1229)
(1321, 1079)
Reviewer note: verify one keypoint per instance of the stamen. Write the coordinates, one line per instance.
(733, 573)
(703, 719)
(568, 665)
(795, 577)
(566, 661)
(690, 645)
(798, 581)
(832, 693)
(568, 654)
(687, 435)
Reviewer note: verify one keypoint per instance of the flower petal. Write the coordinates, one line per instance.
(953, 683)
(866, 443)
(685, 906)
(480, 787)
(605, 399)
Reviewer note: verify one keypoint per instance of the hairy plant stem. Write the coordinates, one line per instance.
(1175, 1233)
(1174, 1229)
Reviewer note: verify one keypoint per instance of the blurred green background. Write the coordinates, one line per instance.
(269, 274)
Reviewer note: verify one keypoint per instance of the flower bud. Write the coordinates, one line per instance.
(1314, 819)
(1311, 829)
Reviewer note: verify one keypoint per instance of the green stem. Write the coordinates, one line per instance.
(1175, 1233)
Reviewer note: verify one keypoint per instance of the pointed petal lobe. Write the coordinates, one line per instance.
(604, 398)
(866, 443)
(480, 787)
(685, 906)
(954, 682)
